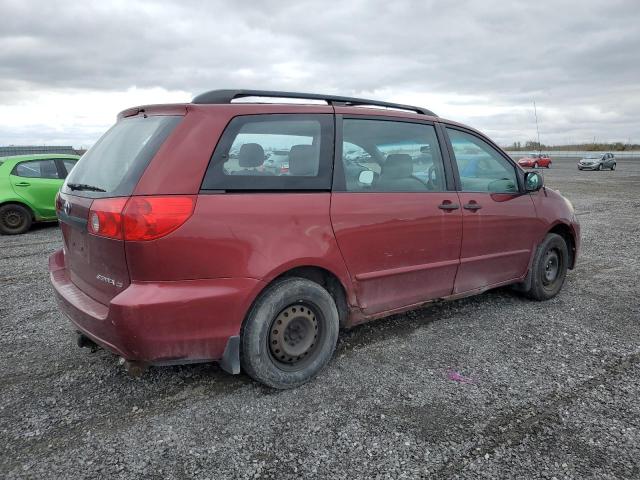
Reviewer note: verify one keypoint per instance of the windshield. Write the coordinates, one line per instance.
(113, 166)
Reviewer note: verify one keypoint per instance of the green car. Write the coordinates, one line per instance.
(28, 187)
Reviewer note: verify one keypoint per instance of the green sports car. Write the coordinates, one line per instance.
(28, 187)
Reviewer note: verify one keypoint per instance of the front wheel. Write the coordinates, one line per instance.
(290, 333)
(549, 268)
(14, 219)
(599, 167)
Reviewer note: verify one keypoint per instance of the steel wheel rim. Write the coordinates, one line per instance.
(294, 336)
(552, 265)
(12, 219)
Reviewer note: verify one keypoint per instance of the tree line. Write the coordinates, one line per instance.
(589, 147)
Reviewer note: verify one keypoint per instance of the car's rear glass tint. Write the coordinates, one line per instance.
(114, 165)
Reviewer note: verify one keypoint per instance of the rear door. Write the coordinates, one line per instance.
(609, 160)
(37, 182)
(396, 219)
(109, 170)
(499, 222)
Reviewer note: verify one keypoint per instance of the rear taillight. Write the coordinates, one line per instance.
(139, 218)
(148, 218)
(105, 217)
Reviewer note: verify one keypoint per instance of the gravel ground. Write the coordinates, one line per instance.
(486, 387)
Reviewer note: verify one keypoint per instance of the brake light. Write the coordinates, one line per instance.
(148, 218)
(105, 217)
(139, 218)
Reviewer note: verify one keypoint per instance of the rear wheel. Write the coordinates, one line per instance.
(549, 268)
(14, 219)
(613, 167)
(535, 165)
(290, 333)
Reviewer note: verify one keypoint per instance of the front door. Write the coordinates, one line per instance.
(397, 226)
(498, 220)
(37, 182)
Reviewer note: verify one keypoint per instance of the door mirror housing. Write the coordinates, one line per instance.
(533, 181)
(366, 177)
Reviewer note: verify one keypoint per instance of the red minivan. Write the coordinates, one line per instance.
(181, 246)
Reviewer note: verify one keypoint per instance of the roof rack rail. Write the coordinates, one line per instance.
(226, 96)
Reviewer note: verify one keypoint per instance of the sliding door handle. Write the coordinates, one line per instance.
(472, 206)
(447, 205)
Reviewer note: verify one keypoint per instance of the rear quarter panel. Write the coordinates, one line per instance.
(244, 235)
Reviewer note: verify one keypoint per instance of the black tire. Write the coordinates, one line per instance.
(599, 167)
(549, 268)
(14, 219)
(535, 165)
(613, 167)
(304, 346)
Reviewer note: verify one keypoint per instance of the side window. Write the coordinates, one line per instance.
(480, 166)
(68, 165)
(391, 156)
(273, 152)
(36, 169)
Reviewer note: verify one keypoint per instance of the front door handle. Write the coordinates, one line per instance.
(447, 205)
(472, 206)
(22, 184)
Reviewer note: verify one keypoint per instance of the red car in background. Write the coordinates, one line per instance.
(535, 160)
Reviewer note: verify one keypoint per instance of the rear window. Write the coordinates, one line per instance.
(273, 152)
(114, 165)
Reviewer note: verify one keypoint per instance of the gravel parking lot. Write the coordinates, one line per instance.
(491, 386)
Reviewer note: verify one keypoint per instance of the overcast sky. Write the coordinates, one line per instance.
(67, 68)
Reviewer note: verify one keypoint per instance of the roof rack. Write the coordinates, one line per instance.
(226, 96)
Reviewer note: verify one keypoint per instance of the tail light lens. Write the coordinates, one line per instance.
(148, 218)
(105, 217)
(139, 218)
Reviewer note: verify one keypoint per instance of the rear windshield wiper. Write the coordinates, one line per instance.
(84, 186)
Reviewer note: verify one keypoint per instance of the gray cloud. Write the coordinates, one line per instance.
(579, 60)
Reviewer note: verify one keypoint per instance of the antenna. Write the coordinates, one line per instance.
(535, 112)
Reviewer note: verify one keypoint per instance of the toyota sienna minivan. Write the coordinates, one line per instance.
(180, 245)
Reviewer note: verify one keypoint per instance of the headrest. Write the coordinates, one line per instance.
(251, 155)
(303, 160)
(398, 165)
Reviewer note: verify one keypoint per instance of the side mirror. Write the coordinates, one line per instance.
(366, 177)
(533, 181)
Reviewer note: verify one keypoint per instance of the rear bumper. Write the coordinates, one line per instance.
(159, 322)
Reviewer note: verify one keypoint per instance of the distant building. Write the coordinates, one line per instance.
(35, 149)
